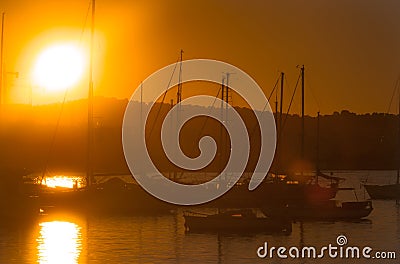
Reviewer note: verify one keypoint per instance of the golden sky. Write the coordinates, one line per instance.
(350, 49)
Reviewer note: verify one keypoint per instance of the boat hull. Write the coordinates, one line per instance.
(384, 192)
(229, 224)
(273, 194)
(104, 200)
(328, 210)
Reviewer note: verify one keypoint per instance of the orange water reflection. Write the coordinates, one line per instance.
(59, 242)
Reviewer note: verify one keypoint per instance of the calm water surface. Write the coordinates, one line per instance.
(162, 239)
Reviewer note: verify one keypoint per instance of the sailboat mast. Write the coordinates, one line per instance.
(302, 115)
(398, 135)
(227, 96)
(89, 169)
(179, 93)
(276, 110)
(317, 161)
(279, 123)
(281, 103)
(1, 55)
(221, 148)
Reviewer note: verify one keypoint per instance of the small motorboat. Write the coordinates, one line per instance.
(383, 192)
(235, 221)
(332, 209)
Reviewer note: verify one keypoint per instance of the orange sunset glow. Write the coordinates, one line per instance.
(199, 131)
(349, 48)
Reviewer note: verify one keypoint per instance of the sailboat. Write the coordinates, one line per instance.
(389, 191)
(279, 189)
(76, 199)
(228, 220)
(115, 196)
(310, 200)
(282, 190)
(286, 196)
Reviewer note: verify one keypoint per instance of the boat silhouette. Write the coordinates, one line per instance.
(235, 221)
(115, 196)
(389, 191)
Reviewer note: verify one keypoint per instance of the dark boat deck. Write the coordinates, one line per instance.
(235, 221)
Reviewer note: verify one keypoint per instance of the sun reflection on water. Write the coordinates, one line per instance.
(59, 242)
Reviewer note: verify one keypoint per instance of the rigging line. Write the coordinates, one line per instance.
(276, 100)
(283, 123)
(393, 94)
(251, 138)
(54, 136)
(313, 94)
(265, 106)
(288, 81)
(162, 101)
(272, 92)
(63, 102)
(208, 116)
(85, 22)
(290, 104)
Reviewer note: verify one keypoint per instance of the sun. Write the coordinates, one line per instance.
(59, 67)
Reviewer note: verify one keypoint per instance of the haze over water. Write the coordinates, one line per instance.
(73, 238)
